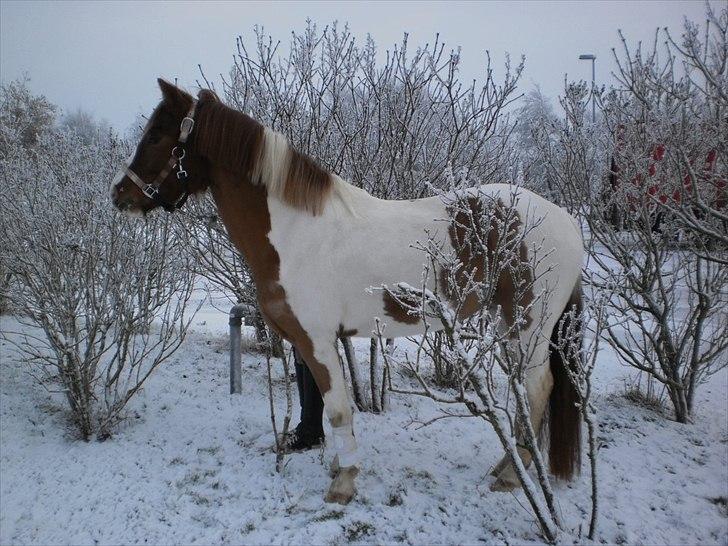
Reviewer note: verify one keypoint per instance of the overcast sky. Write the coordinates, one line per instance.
(105, 56)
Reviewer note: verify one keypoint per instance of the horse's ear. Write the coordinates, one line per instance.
(176, 99)
(207, 95)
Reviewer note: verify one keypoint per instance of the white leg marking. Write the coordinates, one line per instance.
(345, 445)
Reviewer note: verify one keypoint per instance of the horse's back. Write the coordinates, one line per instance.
(330, 265)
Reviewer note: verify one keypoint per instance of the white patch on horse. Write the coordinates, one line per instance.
(345, 445)
(121, 173)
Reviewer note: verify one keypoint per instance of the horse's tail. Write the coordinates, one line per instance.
(565, 416)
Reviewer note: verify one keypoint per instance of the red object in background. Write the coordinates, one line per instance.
(659, 188)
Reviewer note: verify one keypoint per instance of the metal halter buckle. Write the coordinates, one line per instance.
(150, 191)
(185, 127)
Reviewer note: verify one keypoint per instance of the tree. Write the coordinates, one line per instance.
(24, 117)
(638, 179)
(535, 122)
(103, 297)
(85, 125)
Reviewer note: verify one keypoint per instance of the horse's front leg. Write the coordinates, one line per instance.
(338, 410)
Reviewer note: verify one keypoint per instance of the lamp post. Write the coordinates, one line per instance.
(591, 57)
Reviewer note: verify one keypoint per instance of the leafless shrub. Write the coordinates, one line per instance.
(394, 128)
(679, 98)
(534, 126)
(24, 117)
(103, 297)
(391, 128)
(666, 275)
(489, 357)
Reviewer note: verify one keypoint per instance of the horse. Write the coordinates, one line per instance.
(316, 245)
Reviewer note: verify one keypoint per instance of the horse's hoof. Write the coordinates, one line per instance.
(503, 486)
(339, 497)
(342, 489)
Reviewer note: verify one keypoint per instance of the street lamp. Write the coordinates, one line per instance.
(591, 57)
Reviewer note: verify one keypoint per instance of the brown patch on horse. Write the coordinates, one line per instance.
(243, 208)
(307, 185)
(395, 309)
(467, 231)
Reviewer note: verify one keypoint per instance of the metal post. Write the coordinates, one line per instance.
(236, 368)
(593, 58)
(594, 102)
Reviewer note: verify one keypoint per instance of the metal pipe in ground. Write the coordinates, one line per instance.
(237, 312)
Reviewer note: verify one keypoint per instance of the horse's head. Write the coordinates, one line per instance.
(164, 169)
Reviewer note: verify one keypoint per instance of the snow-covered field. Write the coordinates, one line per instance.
(194, 465)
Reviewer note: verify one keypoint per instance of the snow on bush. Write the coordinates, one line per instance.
(649, 180)
(391, 127)
(106, 294)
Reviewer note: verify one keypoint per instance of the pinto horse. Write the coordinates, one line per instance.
(316, 245)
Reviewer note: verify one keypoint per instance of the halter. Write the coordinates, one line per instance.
(175, 160)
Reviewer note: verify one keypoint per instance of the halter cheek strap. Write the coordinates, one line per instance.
(178, 153)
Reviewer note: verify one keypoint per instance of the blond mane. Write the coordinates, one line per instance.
(241, 144)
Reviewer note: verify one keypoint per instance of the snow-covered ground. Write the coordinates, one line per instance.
(194, 465)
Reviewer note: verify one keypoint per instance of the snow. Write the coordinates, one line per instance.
(194, 465)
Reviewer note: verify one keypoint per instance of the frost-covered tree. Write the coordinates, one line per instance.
(101, 298)
(395, 127)
(648, 181)
(674, 104)
(392, 127)
(535, 123)
(24, 117)
(85, 125)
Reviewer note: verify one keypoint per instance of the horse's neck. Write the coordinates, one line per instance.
(243, 208)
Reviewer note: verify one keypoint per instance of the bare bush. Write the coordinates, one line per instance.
(679, 94)
(489, 355)
(392, 128)
(85, 126)
(638, 178)
(24, 117)
(534, 126)
(103, 297)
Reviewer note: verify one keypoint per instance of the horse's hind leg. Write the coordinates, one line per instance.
(539, 383)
